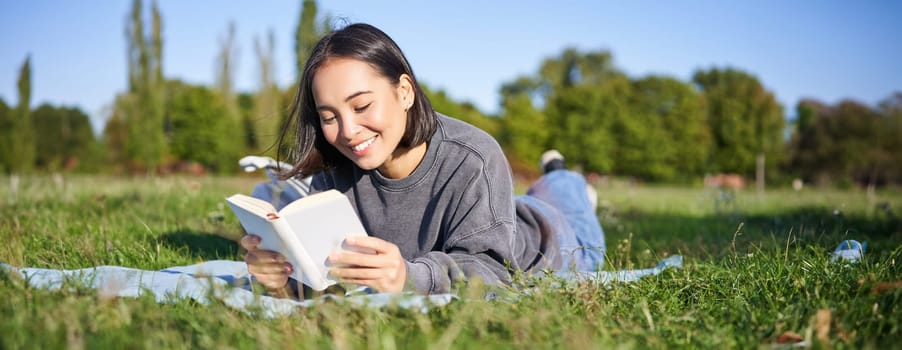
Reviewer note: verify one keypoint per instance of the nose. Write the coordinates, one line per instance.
(349, 128)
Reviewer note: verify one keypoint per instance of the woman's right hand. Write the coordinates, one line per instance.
(268, 267)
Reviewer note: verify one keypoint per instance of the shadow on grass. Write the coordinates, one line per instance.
(206, 246)
(718, 235)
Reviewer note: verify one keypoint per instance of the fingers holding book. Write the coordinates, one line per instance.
(376, 263)
(268, 267)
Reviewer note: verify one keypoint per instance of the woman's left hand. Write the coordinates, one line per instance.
(383, 270)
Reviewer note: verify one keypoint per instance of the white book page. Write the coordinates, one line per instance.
(322, 228)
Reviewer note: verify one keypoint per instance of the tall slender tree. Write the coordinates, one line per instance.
(24, 147)
(6, 137)
(143, 112)
(306, 35)
(225, 72)
(233, 123)
(157, 93)
(136, 50)
(267, 114)
(156, 38)
(17, 150)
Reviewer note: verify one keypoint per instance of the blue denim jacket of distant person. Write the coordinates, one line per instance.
(563, 199)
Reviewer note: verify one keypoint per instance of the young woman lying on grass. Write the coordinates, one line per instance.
(435, 194)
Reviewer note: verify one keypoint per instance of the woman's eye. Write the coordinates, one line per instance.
(327, 119)
(362, 108)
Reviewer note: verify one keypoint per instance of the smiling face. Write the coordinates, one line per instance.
(364, 116)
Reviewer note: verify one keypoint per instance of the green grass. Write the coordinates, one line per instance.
(756, 267)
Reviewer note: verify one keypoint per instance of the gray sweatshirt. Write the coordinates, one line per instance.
(455, 216)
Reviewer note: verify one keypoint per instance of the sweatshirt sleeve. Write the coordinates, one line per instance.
(479, 229)
(437, 272)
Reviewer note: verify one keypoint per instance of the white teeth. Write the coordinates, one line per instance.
(363, 145)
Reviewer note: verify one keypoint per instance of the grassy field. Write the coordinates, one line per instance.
(756, 270)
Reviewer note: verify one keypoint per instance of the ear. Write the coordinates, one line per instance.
(406, 92)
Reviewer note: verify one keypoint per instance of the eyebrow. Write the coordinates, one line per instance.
(350, 97)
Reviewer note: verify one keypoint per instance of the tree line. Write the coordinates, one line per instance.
(661, 129)
(652, 128)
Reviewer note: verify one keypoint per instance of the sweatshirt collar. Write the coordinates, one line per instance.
(423, 169)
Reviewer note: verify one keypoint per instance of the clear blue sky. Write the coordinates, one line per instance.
(828, 50)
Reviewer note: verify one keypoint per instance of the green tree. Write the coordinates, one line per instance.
(666, 136)
(809, 145)
(25, 136)
(143, 114)
(225, 60)
(115, 132)
(267, 112)
(847, 142)
(465, 111)
(524, 128)
(6, 136)
(799, 148)
(245, 103)
(199, 132)
(573, 68)
(583, 117)
(66, 137)
(306, 35)
(746, 121)
(233, 118)
(578, 97)
(584, 97)
(855, 129)
(17, 147)
(891, 110)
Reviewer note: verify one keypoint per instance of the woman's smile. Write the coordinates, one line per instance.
(361, 148)
(363, 115)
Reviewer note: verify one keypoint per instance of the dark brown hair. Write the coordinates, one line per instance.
(311, 153)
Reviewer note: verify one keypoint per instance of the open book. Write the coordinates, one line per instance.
(305, 231)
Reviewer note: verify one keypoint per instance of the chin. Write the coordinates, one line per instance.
(365, 164)
(370, 160)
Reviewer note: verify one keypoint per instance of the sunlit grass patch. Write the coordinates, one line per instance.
(751, 274)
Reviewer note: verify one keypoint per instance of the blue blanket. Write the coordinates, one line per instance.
(227, 281)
